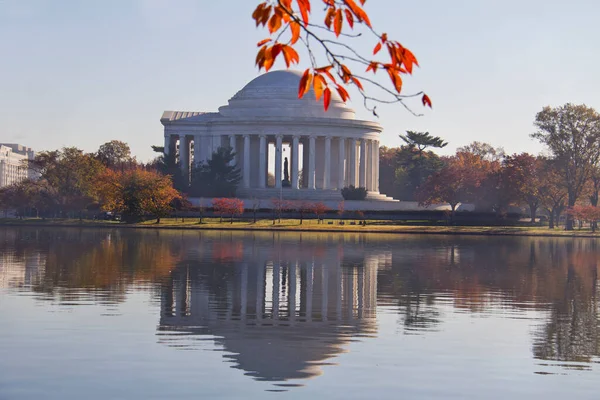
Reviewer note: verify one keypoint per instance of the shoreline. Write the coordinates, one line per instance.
(319, 228)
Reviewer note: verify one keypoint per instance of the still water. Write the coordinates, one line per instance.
(109, 314)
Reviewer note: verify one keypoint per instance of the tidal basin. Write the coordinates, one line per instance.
(156, 314)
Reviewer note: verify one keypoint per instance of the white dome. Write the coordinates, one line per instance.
(275, 94)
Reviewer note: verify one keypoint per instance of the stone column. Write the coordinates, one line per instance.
(376, 166)
(311, 163)
(232, 145)
(184, 155)
(198, 150)
(167, 149)
(262, 162)
(369, 165)
(362, 170)
(341, 165)
(352, 163)
(327, 172)
(295, 158)
(216, 142)
(246, 171)
(278, 160)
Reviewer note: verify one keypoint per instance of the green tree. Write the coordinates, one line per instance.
(572, 134)
(115, 154)
(168, 165)
(422, 140)
(72, 175)
(403, 170)
(218, 177)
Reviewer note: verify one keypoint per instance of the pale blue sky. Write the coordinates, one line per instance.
(84, 72)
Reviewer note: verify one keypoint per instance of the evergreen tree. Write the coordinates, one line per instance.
(422, 140)
(218, 177)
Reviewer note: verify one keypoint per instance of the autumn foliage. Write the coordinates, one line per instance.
(228, 206)
(137, 193)
(290, 22)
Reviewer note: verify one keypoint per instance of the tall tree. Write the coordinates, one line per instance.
(572, 133)
(458, 181)
(422, 140)
(523, 174)
(552, 191)
(219, 177)
(115, 154)
(484, 150)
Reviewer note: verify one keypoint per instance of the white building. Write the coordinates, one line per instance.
(328, 150)
(13, 167)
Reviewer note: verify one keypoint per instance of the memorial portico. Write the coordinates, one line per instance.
(328, 150)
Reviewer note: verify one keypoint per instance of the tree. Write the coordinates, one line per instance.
(168, 165)
(572, 134)
(137, 193)
(341, 208)
(302, 207)
(319, 209)
(457, 181)
(589, 213)
(115, 154)
(291, 21)
(422, 140)
(483, 150)
(72, 174)
(228, 206)
(219, 177)
(552, 192)
(280, 206)
(523, 173)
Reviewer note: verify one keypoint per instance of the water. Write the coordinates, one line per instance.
(109, 314)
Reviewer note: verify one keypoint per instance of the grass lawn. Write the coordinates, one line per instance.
(312, 226)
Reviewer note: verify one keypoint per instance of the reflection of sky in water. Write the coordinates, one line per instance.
(159, 315)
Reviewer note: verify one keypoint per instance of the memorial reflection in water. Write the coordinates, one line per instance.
(281, 307)
(280, 313)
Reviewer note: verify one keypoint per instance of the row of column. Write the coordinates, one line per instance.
(359, 168)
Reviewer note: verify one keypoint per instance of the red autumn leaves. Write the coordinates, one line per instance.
(294, 15)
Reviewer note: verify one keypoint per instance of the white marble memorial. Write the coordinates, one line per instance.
(328, 150)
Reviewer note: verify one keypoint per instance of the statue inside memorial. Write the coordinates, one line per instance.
(286, 174)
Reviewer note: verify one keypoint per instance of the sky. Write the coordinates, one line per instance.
(81, 73)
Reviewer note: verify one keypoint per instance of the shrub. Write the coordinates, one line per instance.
(354, 193)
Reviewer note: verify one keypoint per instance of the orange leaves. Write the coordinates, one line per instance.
(377, 48)
(305, 83)
(426, 101)
(295, 28)
(290, 55)
(326, 98)
(342, 92)
(262, 13)
(339, 16)
(358, 12)
(319, 85)
(267, 55)
(304, 7)
(394, 77)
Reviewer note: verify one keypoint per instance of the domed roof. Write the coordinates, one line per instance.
(275, 94)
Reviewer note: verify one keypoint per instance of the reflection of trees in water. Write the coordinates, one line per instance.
(553, 275)
(427, 277)
(76, 264)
